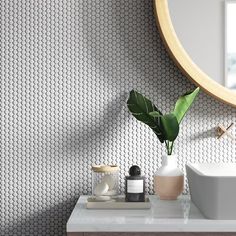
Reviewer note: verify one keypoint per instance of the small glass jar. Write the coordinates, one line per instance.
(105, 181)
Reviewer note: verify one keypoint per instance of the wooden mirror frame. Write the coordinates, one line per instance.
(183, 60)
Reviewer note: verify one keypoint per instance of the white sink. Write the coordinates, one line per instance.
(213, 189)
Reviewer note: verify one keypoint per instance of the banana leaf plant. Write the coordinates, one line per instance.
(165, 126)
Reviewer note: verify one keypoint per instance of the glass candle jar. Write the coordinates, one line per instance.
(105, 181)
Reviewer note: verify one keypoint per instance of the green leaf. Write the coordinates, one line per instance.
(184, 103)
(140, 107)
(170, 126)
(155, 114)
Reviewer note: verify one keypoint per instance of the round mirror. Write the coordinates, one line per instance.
(201, 37)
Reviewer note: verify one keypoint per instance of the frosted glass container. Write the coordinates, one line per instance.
(105, 181)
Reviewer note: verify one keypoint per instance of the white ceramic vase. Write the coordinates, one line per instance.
(169, 179)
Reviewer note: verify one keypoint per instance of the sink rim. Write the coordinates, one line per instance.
(225, 170)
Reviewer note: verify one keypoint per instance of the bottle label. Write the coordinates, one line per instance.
(135, 186)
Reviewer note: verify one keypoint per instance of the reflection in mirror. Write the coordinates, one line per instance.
(230, 46)
(194, 34)
(207, 31)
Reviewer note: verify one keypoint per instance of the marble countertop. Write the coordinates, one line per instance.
(164, 216)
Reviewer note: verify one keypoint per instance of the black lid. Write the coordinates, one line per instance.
(134, 170)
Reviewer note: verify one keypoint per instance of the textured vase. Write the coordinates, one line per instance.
(169, 179)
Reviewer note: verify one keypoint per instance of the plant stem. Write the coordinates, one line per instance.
(166, 146)
(171, 147)
(169, 143)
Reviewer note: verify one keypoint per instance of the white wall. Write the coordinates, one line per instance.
(67, 67)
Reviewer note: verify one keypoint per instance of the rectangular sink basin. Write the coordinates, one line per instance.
(213, 189)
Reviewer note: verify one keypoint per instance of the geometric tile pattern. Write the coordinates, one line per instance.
(66, 69)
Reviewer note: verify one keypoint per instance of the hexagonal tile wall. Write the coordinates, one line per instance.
(67, 67)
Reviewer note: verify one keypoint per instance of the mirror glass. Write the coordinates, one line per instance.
(207, 31)
(230, 44)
